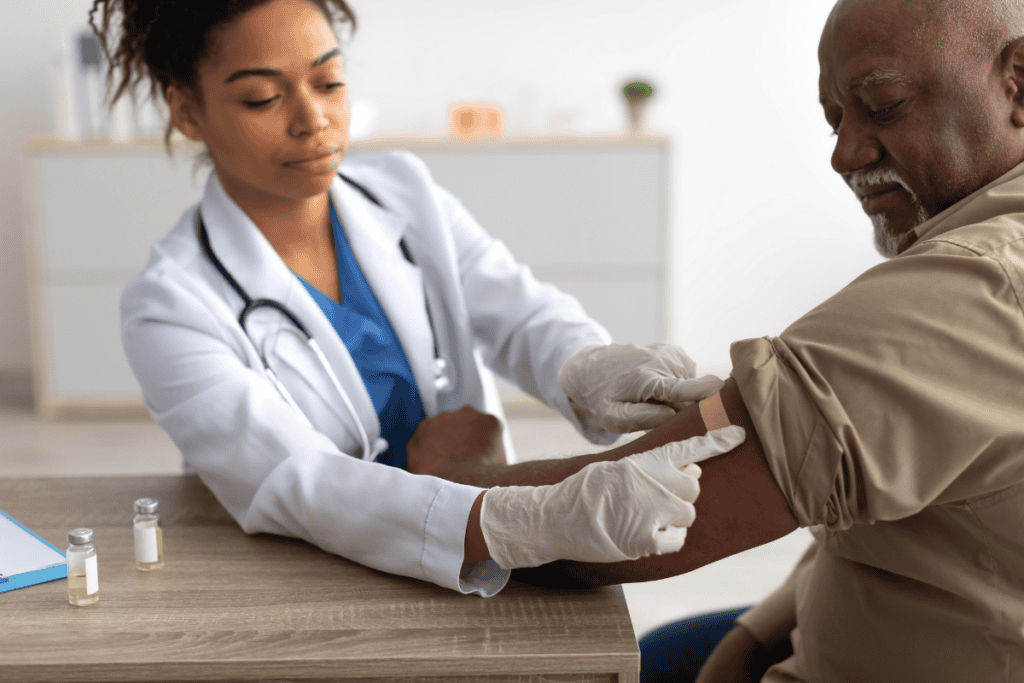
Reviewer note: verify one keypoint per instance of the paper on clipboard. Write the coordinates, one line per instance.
(25, 558)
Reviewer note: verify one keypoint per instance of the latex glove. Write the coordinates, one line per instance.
(623, 387)
(608, 511)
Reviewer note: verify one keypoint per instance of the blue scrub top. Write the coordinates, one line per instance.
(366, 332)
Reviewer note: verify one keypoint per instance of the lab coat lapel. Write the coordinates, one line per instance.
(374, 234)
(254, 263)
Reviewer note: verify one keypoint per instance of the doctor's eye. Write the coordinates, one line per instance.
(260, 103)
(331, 87)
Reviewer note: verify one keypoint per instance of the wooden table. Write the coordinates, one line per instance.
(232, 607)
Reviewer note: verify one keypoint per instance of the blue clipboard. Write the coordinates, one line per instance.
(30, 578)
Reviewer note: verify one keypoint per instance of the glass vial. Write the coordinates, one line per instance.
(149, 537)
(83, 579)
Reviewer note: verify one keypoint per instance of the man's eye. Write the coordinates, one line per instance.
(887, 113)
(331, 87)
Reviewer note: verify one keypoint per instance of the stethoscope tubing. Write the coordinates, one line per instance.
(442, 380)
(298, 329)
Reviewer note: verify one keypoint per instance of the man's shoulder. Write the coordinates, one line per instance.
(998, 241)
(978, 267)
(995, 238)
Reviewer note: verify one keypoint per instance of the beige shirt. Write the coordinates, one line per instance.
(892, 416)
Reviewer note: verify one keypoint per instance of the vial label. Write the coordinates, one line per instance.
(92, 579)
(146, 545)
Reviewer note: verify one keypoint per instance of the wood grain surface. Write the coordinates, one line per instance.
(232, 607)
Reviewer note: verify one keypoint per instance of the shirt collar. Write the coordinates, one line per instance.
(1003, 195)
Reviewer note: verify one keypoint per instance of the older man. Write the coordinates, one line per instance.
(891, 417)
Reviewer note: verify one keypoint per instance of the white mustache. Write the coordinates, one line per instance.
(862, 181)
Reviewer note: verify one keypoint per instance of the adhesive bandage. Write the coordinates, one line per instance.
(713, 412)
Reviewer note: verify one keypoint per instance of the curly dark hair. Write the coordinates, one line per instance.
(165, 40)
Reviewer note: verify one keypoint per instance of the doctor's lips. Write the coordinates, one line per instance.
(315, 161)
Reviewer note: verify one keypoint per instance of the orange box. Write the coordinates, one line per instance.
(469, 120)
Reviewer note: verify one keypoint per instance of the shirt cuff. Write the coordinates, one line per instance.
(799, 446)
(444, 545)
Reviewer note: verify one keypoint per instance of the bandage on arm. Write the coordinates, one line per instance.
(712, 411)
(740, 505)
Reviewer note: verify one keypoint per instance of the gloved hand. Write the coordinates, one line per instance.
(606, 512)
(609, 386)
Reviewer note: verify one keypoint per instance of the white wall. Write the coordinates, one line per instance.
(26, 35)
(763, 230)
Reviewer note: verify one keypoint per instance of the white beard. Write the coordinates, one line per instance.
(887, 242)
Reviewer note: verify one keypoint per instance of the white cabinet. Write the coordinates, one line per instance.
(587, 214)
(94, 211)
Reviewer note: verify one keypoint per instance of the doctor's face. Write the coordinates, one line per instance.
(275, 108)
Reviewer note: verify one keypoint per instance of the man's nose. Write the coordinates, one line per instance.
(856, 147)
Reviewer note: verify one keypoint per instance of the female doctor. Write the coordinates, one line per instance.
(297, 326)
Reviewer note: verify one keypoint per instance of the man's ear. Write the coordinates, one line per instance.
(185, 112)
(1013, 70)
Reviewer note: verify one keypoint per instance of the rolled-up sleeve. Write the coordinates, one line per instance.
(876, 404)
(790, 427)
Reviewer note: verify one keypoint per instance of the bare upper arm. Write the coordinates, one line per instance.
(740, 505)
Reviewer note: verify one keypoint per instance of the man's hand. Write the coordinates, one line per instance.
(623, 388)
(740, 658)
(448, 443)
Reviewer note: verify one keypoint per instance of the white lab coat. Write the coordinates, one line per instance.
(204, 382)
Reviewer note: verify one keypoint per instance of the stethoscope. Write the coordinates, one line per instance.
(442, 368)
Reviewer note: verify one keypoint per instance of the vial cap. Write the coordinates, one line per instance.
(146, 506)
(80, 536)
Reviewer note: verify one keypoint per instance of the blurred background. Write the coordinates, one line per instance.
(754, 228)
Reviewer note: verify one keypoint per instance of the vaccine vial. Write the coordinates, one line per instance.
(83, 579)
(149, 538)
